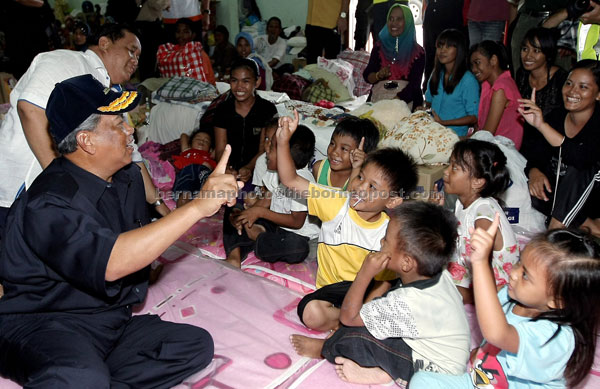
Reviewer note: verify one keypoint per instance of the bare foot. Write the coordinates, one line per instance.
(254, 231)
(234, 258)
(350, 371)
(307, 347)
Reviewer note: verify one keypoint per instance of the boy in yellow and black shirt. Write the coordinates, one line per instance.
(353, 222)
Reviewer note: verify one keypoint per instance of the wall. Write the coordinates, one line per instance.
(291, 12)
(76, 4)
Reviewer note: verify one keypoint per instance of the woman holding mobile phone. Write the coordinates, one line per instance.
(397, 57)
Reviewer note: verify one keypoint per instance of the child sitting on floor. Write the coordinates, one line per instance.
(276, 226)
(419, 324)
(477, 175)
(351, 139)
(195, 163)
(540, 330)
(352, 223)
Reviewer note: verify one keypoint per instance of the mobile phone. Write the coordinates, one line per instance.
(390, 85)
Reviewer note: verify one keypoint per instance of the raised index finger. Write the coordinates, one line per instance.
(361, 144)
(493, 228)
(222, 165)
(533, 95)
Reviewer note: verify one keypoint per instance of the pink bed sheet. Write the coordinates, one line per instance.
(207, 236)
(250, 318)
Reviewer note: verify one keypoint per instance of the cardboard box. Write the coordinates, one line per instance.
(428, 177)
(298, 63)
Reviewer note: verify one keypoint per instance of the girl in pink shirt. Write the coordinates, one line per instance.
(498, 105)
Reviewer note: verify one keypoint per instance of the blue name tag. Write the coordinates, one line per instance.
(512, 214)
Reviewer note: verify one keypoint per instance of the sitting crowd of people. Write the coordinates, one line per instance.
(396, 277)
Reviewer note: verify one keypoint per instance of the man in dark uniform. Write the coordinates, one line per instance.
(75, 258)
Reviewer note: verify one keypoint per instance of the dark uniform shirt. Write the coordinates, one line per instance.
(544, 5)
(58, 239)
(243, 133)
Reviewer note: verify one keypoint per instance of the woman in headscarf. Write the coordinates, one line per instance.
(81, 33)
(398, 56)
(244, 44)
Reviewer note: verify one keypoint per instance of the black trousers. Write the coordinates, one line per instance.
(107, 350)
(152, 35)
(319, 39)
(434, 23)
(392, 355)
(363, 24)
(273, 245)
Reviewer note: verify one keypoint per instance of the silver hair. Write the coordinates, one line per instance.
(69, 144)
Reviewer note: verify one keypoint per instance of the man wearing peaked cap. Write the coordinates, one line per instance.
(76, 252)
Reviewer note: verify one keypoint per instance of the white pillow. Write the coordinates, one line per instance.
(386, 112)
(297, 41)
(168, 121)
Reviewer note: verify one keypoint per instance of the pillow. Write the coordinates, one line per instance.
(186, 89)
(340, 92)
(386, 112)
(297, 41)
(425, 140)
(168, 121)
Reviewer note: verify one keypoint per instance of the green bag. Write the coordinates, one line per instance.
(317, 91)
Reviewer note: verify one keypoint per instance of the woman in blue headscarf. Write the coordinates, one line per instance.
(244, 44)
(398, 56)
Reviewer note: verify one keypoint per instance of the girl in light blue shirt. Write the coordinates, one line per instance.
(540, 330)
(452, 91)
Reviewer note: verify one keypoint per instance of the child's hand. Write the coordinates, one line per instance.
(374, 263)
(250, 215)
(482, 241)
(232, 171)
(184, 140)
(244, 174)
(233, 219)
(250, 200)
(357, 156)
(437, 197)
(436, 117)
(287, 126)
(530, 111)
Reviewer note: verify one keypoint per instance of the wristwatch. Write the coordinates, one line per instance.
(206, 11)
(158, 202)
(343, 15)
